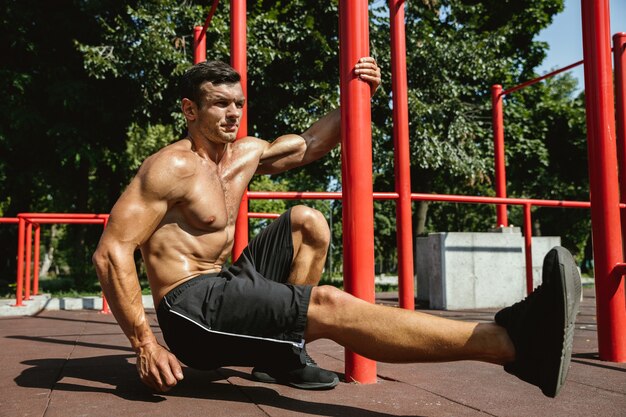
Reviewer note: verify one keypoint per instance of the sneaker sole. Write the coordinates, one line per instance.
(571, 288)
(312, 386)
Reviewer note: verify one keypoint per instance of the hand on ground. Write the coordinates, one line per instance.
(158, 368)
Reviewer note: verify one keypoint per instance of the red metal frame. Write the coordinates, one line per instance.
(497, 116)
(605, 216)
(402, 162)
(28, 221)
(36, 259)
(528, 251)
(199, 44)
(29, 246)
(498, 150)
(619, 71)
(20, 262)
(449, 198)
(498, 201)
(199, 36)
(105, 303)
(356, 157)
(238, 47)
(263, 215)
(543, 77)
(210, 16)
(239, 61)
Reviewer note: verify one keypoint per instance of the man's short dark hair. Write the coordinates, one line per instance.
(216, 72)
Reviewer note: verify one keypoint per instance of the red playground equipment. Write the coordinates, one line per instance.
(606, 135)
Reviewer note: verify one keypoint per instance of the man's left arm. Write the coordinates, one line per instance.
(290, 151)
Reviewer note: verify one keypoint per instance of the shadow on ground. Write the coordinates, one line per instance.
(116, 375)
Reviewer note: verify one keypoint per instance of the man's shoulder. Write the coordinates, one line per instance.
(165, 173)
(249, 141)
(248, 144)
(176, 160)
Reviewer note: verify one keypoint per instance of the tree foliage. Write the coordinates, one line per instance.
(86, 102)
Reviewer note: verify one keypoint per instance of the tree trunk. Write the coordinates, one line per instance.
(420, 217)
(48, 257)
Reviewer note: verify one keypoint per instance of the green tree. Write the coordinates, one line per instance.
(56, 127)
(84, 106)
(456, 49)
(86, 103)
(547, 154)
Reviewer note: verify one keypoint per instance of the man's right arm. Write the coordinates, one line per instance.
(133, 219)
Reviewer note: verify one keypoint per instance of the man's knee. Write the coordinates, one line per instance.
(323, 314)
(311, 224)
(328, 297)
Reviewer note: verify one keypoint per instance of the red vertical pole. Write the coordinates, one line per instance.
(238, 60)
(605, 216)
(358, 199)
(528, 247)
(199, 45)
(497, 116)
(105, 305)
(29, 247)
(619, 62)
(36, 259)
(21, 229)
(404, 227)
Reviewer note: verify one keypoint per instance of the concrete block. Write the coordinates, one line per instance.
(92, 303)
(475, 270)
(147, 301)
(541, 246)
(508, 229)
(428, 261)
(71, 303)
(53, 304)
(9, 310)
(28, 308)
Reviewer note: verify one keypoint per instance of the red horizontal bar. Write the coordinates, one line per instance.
(9, 220)
(304, 195)
(294, 195)
(49, 220)
(86, 218)
(310, 195)
(500, 200)
(64, 215)
(263, 215)
(543, 77)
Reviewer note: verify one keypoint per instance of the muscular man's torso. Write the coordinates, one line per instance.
(196, 234)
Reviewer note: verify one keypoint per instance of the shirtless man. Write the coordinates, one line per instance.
(180, 210)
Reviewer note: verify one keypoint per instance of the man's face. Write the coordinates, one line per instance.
(219, 111)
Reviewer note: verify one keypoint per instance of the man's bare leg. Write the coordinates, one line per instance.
(311, 237)
(395, 335)
(532, 338)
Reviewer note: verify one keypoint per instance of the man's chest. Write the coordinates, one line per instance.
(213, 198)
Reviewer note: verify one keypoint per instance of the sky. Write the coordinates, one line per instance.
(565, 37)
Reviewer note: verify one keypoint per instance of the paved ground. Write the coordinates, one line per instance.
(77, 363)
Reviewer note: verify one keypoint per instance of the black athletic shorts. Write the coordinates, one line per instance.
(245, 315)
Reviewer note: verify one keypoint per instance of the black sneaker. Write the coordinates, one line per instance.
(309, 376)
(542, 325)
